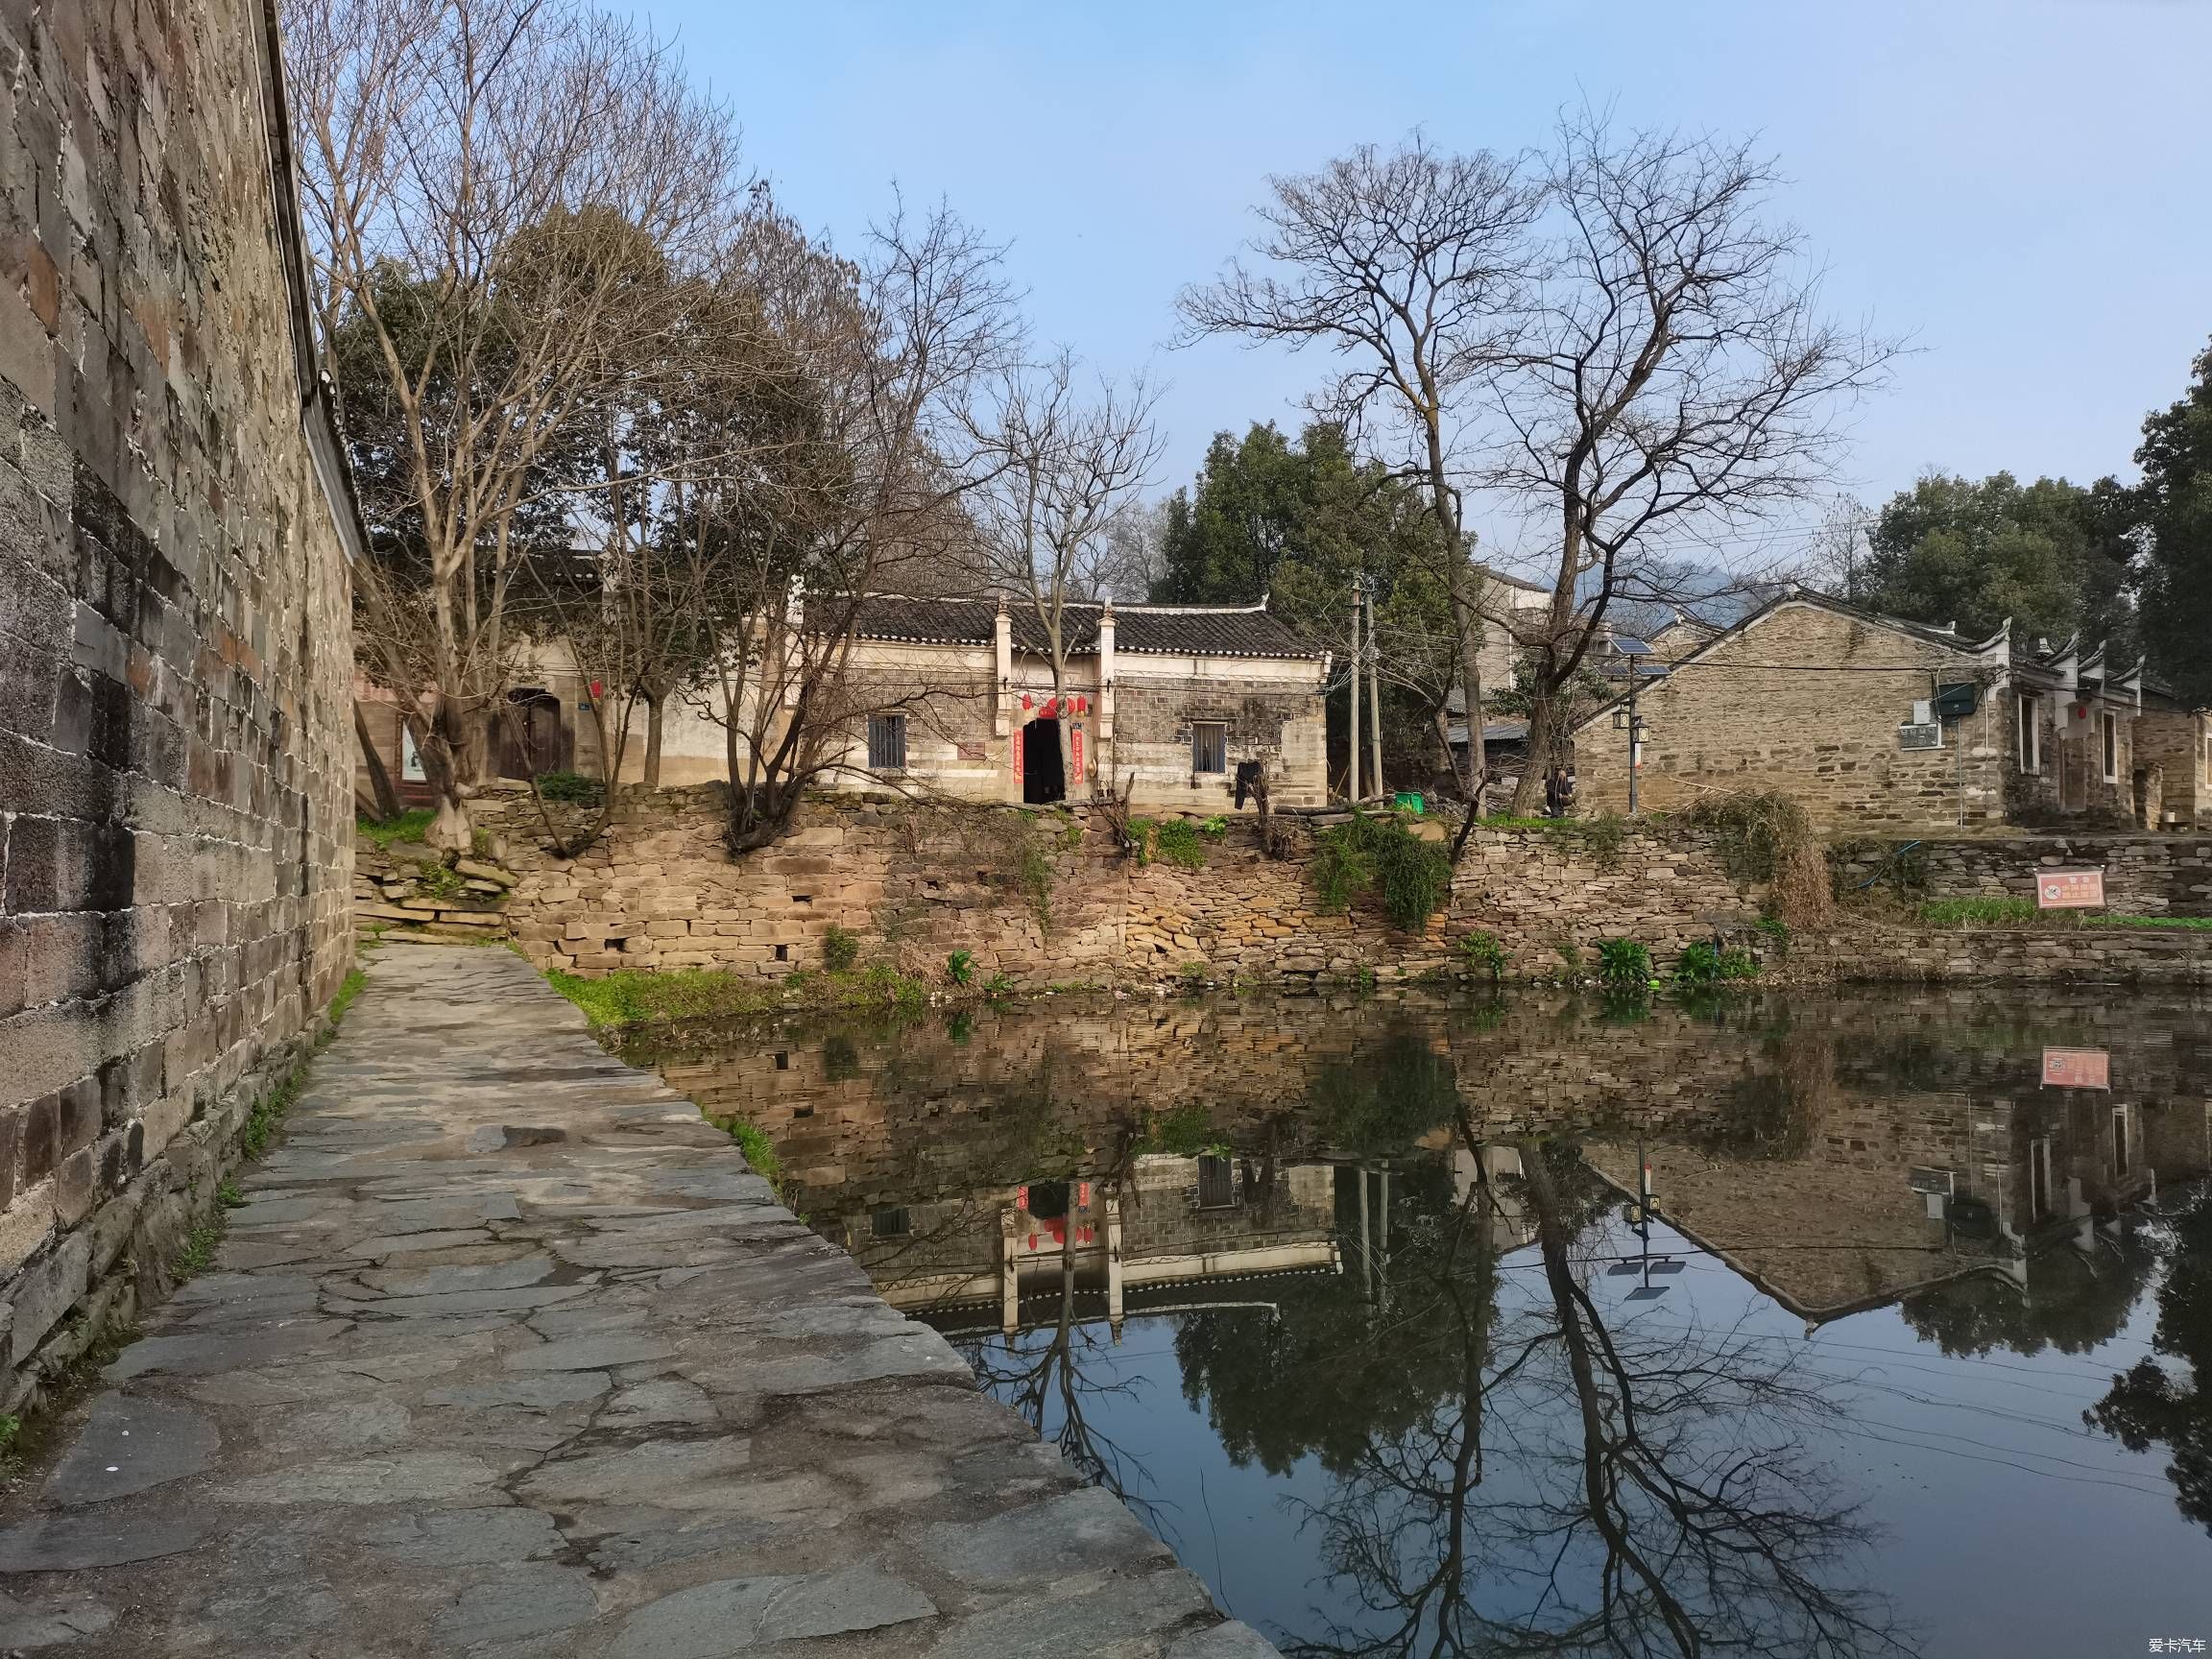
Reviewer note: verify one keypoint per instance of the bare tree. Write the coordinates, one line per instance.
(499, 192)
(1409, 265)
(1059, 468)
(1675, 375)
(857, 463)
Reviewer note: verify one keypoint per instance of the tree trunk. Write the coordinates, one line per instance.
(653, 706)
(379, 780)
(1544, 712)
(1469, 623)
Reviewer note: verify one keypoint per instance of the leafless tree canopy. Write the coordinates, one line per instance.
(502, 195)
(1411, 267)
(1614, 341)
(1057, 469)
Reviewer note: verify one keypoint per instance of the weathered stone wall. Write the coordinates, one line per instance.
(1047, 899)
(2011, 956)
(1743, 716)
(2179, 743)
(175, 644)
(2144, 874)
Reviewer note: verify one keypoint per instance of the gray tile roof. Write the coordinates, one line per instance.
(1156, 630)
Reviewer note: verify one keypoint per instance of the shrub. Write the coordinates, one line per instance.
(1563, 946)
(571, 787)
(1483, 953)
(1177, 842)
(1624, 962)
(840, 949)
(1737, 962)
(1413, 875)
(1776, 932)
(1214, 828)
(960, 967)
(1766, 836)
(439, 882)
(997, 986)
(1705, 963)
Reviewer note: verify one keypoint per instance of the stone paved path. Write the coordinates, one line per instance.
(509, 1354)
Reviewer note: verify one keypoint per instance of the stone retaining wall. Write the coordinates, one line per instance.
(1047, 899)
(2013, 957)
(2144, 874)
(175, 812)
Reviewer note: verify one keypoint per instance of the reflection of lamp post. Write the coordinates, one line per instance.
(1646, 1263)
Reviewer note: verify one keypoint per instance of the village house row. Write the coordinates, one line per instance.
(1870, 720)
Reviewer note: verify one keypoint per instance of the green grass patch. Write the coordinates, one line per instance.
(199, 1244)
(410, 824)
(2008, 911)
(348, 988)
(643, 997)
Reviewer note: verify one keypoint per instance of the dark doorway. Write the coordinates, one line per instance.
(531, 738)
(1043, 779)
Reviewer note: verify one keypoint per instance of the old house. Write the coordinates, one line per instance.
(1874, 721)
(954, 696)
(2174, 758)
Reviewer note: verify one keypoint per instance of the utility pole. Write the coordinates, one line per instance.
(1353, 747)
(1632, 723)
(1374, 690)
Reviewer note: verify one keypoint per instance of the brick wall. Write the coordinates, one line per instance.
(2179, 743)
(175, 801)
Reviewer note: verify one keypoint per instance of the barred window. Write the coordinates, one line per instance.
(891, 1224)
(886, 743)
(1209, 746)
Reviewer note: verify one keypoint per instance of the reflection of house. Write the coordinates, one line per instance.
(1870, 719)
(956, 696)
(1171, 1221)
(1899, 1193)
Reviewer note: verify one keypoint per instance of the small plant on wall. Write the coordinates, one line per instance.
(1412, 877)
(960, 967)
(1482, 954)
(1624, 962)
(840, 949)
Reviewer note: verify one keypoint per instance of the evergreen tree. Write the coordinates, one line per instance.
(2175, 502)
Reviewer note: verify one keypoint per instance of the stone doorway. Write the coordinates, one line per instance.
(1043, 780)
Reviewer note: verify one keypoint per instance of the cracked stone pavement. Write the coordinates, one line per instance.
(507, 1354)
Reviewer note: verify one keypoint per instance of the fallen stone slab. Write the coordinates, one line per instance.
(68, 1543)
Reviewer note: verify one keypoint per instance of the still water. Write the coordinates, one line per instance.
(1360, 1306)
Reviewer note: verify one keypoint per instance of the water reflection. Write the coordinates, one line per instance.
(1550, 1328)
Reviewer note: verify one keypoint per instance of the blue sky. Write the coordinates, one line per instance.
(2023, 188)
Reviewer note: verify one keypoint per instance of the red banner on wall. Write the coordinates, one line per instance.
(1018, 747)
(1076, 747)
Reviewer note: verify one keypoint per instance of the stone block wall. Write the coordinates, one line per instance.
(2144, 874)
(175, 644)
(1047, 899)
(1745, 717)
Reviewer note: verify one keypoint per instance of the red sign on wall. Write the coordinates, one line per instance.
(1075, 743)
(2077, 1069)
(2070, 889)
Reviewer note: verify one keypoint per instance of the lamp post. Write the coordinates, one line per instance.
(1628, 720)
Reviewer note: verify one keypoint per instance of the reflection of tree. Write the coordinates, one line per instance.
(2150, 1403)
(1387, 1097)
(1576, 1485)
(2074, 1301)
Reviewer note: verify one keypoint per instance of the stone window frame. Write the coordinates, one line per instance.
(886, 740)
(2028, 740)
(1198, 752)
(2110, 733)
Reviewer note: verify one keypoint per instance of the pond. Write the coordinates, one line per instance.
(1424, 1324)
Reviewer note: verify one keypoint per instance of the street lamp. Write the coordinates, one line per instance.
(1628, 719)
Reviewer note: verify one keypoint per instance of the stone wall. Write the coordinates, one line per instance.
(2011, 956)
(2144, 874)
(1047, 899)
(175, 770)
(2177, 742)
(1744, 716)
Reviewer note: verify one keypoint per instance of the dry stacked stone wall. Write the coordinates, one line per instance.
(2144, 874)
(1047, 899)
(174, 649)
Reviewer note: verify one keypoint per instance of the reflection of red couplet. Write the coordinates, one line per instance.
(2077, 1069)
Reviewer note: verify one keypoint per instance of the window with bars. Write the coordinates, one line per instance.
(1209, 746)
(2031, 733)
(891, 1224)
(2111, 748)
(887, 742)
(1217, 1183)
